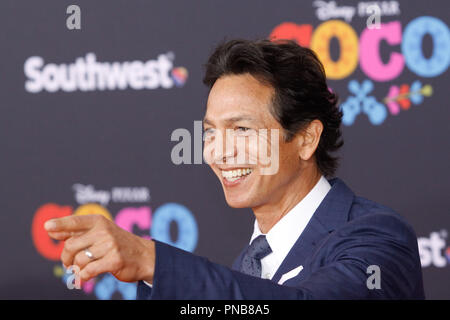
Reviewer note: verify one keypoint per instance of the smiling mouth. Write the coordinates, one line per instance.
(236, 174)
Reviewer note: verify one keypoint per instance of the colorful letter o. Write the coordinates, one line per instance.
(412, 46)
(187, 226)
(348, 40)
(92, 208)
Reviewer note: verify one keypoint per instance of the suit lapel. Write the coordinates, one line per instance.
(331, 213)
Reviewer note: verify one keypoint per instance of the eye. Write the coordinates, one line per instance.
(244, 131)
(208, 133)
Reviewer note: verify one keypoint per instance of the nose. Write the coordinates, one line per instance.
(224, 149)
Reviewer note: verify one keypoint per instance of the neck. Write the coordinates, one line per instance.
(288, 197)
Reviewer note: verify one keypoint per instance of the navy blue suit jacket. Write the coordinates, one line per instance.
(345, 235)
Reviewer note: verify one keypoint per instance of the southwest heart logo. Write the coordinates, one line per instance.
(179, 76)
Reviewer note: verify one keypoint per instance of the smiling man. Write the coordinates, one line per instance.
(313, 238)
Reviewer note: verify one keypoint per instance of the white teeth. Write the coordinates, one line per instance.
(233, 175)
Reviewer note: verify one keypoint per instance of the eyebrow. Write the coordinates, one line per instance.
(232, 119)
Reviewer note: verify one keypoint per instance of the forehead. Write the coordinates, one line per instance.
(235, 96)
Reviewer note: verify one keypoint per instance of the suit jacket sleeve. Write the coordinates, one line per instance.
(375, 239)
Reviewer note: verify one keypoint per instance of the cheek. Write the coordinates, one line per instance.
(252, 150)
(268, 151)
(289, 159)
(208, 152)
(246, 149)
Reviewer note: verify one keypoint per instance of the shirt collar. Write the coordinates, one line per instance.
(283, 235)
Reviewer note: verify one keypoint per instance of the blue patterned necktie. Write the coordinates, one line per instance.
(251, 262)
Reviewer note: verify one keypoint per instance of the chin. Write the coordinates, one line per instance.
(238, 203)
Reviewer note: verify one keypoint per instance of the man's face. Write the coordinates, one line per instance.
(238, 126)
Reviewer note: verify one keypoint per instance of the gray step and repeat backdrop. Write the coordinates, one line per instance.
(91, 94)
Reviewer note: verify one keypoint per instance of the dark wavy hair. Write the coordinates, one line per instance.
(298, 78)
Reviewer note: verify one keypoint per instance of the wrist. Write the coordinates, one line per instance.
(147, 263)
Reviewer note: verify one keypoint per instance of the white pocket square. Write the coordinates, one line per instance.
(290, 274)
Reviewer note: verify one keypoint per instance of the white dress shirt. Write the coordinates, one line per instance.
(283, 235)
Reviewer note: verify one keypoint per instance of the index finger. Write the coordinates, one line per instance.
(71, 223)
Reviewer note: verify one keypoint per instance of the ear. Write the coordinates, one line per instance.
(310, 137)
